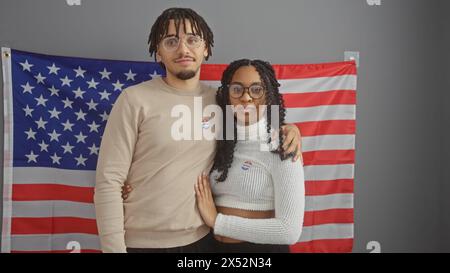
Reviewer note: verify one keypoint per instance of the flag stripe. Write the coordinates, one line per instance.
(326, 231)
(329, 157)
(53, 208)
(316, 99)
(318, 85)
(289, 71)
(328, 142)
(327, 127)
(53, 225)
(329, 112)
(322, 246)
(326, 202)
(329, 172)
(41, 175)
(44, 175)
(30, 192)
(47, 242)
(328, 216)
(328, 187)
(310, 85)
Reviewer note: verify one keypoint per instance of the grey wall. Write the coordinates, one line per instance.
(445, 198)
(400, 194)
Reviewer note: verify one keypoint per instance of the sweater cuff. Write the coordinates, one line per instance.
(219, 225)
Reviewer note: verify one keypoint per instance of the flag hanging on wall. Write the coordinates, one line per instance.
(56, 109)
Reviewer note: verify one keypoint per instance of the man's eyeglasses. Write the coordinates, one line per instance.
(192, 41)
(236, 90)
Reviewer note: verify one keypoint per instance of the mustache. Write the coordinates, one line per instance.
(184, 57)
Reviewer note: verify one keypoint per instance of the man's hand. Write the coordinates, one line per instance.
(292, 141)
(205, 201)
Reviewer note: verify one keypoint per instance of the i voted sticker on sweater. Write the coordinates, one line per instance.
(205, 122)
(247, 164)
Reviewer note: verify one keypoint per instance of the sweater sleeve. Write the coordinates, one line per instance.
(114, 160)
(286, 227)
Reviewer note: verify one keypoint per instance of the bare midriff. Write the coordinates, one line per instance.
(251, 214)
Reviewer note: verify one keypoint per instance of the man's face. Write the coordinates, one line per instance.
(183, 62)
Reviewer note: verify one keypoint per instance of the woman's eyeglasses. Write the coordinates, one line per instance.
(237, 90)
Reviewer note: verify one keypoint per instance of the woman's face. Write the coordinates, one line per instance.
(247, 108)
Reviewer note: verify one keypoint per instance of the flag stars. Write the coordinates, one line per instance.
(80, 160)
(68, 126)
(92, 84)
(32, 157)
(27, 88)
(26, 66)
(79, 93)
(41, 123)
(94, 149)
(93, 127)
(53, 91)
(104, 116)
(154, 75)
(104, 95)
(118, 86)
(66, 81)
(43, 146)
(55, 159)
(39, 78)
(54, 136)
(80, 137)
(28, 111)
(31, 134)
(79, 72)
(67, 148)
(92, 105)
(105, 74)
(67, 103)
(130, 75)
(80, 115)
(53, 69)
(41, 101)
(54, 113)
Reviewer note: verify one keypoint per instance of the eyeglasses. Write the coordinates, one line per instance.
(236, 90)
(192, 41)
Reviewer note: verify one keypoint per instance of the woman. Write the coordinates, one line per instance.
(255, 199)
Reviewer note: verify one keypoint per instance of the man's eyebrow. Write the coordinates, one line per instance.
(174, 35)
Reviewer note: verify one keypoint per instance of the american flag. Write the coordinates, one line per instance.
(56, 109)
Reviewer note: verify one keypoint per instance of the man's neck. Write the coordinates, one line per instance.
(188, 85)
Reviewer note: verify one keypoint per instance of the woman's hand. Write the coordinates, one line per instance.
(292, 141)
(205, 201)
(126, 189)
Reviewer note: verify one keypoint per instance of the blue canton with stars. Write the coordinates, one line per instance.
(61, 105)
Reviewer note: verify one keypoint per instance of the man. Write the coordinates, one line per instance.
(160, 214)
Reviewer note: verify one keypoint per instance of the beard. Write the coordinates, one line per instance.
(186, 75)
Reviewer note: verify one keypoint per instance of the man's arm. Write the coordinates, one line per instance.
(292, 141)
(114, 160)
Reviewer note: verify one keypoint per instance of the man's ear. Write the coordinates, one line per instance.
(158, 58)
(205, 53)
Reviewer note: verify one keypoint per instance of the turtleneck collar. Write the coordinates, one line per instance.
(255, 131)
